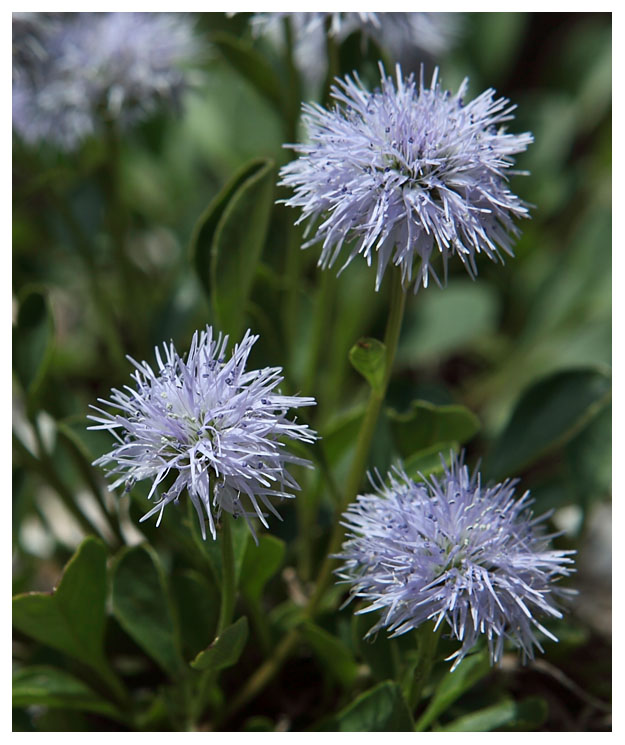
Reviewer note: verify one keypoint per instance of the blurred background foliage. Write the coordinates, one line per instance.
(111, 258)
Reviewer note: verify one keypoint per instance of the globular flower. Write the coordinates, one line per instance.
(454, 552)
(72, 71)
(406, 170)
(217, 428)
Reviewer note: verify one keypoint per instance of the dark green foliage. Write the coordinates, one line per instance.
(382, 709)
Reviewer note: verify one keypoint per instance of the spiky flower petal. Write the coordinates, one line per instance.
(454, 552)
(405, 172)
(218, 429)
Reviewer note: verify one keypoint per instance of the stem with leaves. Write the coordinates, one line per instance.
(391, 337)
(365, 434)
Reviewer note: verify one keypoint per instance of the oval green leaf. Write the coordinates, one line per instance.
(526, 715)
(225, 650)
(334, 655)
(381, 709)
(197, 602)
(40, 685)
(368, 357)
(452, 686)
(547, 416)
(260, 563)
(142, 606)
(72, 618)
(33, 339)
(426, 426)
(228, 239)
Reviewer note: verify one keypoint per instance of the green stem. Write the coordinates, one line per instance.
(365, 435)
(427, 642)
(228, 586)
(271, 666)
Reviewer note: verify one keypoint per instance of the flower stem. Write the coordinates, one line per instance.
(427, 642)
(365, 435)
(228, 587)
(271, 666)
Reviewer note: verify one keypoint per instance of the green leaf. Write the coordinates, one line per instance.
(260, 563)
(225, 650)
(41, 685)
(525, 716)
(335, 656)
(548, 415)
(252, 66)
(428, 461)
(381, 709)
(228, 239)
(452, 686)
(33, 339)
(425, 426)
(368, 357)
(197, 601)
(71, 618)
(143, 608)
(589, 456)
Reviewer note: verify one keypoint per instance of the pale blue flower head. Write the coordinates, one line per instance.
(216, 429)
(456, 552)
(97, 66)
(405, 173)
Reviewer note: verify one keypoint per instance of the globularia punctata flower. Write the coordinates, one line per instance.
(407, 172)
(71, 71)
(453, 551)
(218, 428)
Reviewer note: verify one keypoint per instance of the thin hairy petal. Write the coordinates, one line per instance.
(408, 173)
(221, 429)
(452, 550)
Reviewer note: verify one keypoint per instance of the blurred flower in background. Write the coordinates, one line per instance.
(405, 170)
(215, 425)
(405, 37)
(454, 551)
(74, 71)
